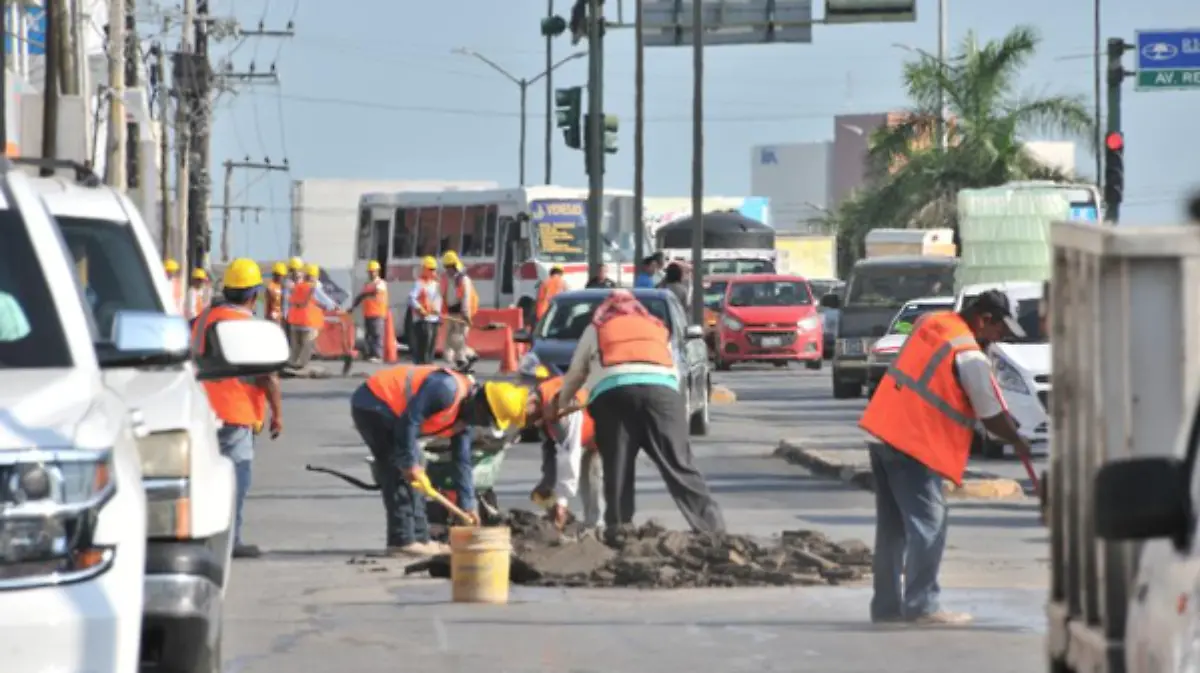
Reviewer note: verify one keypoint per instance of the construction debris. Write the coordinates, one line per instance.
(651, 557)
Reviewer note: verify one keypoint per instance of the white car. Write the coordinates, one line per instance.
(1022, 367)
(884, 351)
(189, 485)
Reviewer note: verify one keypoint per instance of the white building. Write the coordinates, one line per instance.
(795, 177)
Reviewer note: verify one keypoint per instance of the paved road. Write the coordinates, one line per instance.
(305, 608)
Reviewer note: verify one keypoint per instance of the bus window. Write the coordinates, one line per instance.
(474, 218)
(452, 229)
(427, 232)
(405, 234)
(490, 230)
(380, 240)
(364, 233)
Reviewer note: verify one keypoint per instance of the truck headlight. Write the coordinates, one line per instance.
(808, 324)
(732, 323)
(166, 466)
(1008, 378)
(166, 455)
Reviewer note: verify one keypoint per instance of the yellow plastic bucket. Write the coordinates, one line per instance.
(479, 563)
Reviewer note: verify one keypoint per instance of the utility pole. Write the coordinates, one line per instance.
(697, 163)
(4, 82)
(183, 75)
(1114, 168)
(50, 87)
(199, 182)
(943, 125)
(524, 86)
(115, 160)
(549, 89)
(227, 208)
(1096, 67)
(164, 162)
(639, 142)
(594, 134)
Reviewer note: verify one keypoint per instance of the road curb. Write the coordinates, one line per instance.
(722, 395)
(826, 463)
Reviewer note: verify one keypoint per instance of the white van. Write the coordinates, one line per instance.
(189, 485)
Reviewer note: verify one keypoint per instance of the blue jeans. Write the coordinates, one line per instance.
(910, 535)
(403, 505)
(237, 444)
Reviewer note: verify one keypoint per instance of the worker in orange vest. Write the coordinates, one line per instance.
(570, 462)
(425, 307)
(178, 287)
(374, 300)
(236, 401)
(924, 412)
(460, 302)
(398, 406)
(635, 400)
(554, 284)
(199, 294)
(307, 304)
(273, 305)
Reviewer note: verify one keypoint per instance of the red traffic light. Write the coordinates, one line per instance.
(1114, 141)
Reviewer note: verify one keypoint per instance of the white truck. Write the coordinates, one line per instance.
(1125, 328)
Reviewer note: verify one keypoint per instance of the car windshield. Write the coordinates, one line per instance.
(883, 287)
(568, 317)
(903, 322)
(714, 294)
(31, 335)
(113, 273)
(736, 266)
(770, 293)
(820, 288)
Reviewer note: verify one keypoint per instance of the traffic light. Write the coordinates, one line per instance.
(610, 134)
(553, 26)
(569, 102)
(1114, 168)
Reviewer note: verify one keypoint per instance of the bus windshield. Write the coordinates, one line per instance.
(559, 230)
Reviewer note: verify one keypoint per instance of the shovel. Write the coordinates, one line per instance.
(445, 502)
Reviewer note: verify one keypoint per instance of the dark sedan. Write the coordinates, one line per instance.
(554, 337)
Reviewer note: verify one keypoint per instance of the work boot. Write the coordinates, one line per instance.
(241, 550)
(943, 618)
(412, 550)
(436, 548)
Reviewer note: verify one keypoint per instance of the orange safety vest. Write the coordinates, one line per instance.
(375, 305)
(396, 386)
(429, 297)
(302, 308)
(199, 300)
(549, 388)
(274, 300)
(178, 292)
(919, 407)
(235, 401)
(553, 285)
(630, 339)
(461, 284)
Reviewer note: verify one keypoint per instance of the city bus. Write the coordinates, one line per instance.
(508, 240)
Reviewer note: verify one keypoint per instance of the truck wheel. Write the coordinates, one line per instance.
(210, 660)
(846, 390)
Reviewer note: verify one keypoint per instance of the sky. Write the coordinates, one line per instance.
(372, 89)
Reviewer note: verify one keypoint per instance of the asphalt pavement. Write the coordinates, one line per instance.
(308, 606)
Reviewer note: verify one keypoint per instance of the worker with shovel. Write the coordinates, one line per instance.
(570, 462)
(397, 407)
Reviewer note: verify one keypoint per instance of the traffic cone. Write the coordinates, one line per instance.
(390, 352)
(508, 363)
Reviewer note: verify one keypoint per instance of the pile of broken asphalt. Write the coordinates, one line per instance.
(651, 557)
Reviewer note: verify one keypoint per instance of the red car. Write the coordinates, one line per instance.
(768, 318)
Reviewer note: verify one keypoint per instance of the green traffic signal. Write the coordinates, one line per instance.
(611, 125)
(553, 26)
(570, 104)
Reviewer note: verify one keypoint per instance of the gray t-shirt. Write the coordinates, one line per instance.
(975, 375)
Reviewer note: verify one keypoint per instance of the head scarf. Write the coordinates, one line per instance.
(620, 303)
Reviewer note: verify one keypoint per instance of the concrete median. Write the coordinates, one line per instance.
(853, 466)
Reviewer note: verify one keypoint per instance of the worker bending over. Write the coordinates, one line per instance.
(237, 401)
(425, 308)
(398, 406)
(924, 413)
(636, 403)
(307, 305)
(374, 300)
(199, 295)
(459, 306)
(570, 462)
(553, 285)
(273, 304)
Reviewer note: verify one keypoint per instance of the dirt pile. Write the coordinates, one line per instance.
(650, 556)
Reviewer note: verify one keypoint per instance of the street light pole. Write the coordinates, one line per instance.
(943, 127)
(549, 90)
(524, 85)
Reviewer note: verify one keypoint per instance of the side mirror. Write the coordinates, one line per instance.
(242, 348)
(1141, 499)
(523, 336)
(694, 332)
(831, 300)
(146, 339)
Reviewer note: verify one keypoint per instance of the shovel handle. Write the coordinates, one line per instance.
(451, 507)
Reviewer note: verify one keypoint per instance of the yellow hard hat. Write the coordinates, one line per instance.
(242, 274)
(530, 367)
(171, 266)
(296, 264)
(199, 274)
(429, 263)
(280, 269)
(450, 258)
(556, 267)
(507, 402)
(313, 271)
(373, 265)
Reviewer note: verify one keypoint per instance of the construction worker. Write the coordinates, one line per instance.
(570, 462)
(924, 412)
(274, 294)
(178, 287)
(374, 300)
(425, 307)
(307, 304)
(553, 285)
(636, 403)
(459, 305)
(237, 401)
(199, 294)
(398, 406)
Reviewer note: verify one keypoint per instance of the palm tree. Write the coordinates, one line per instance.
(913, 183)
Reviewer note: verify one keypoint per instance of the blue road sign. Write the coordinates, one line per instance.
(1168, 49)
(36, 18)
